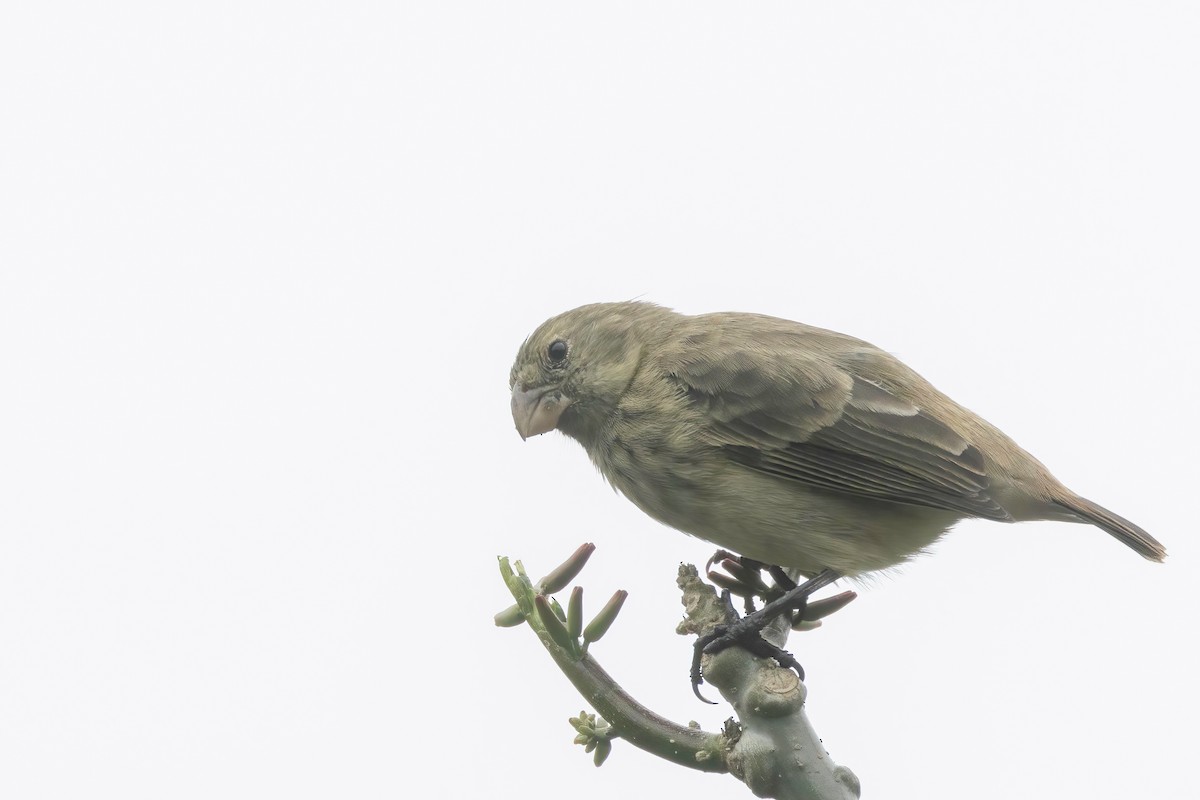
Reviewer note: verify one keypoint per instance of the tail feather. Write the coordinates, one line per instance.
(1129, 534)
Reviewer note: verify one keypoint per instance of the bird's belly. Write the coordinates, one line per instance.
(776, 520)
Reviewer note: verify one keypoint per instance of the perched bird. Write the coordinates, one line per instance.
(789, 444)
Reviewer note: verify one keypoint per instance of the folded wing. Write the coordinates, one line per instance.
(781, 410)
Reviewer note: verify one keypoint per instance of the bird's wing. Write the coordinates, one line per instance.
(782, 411)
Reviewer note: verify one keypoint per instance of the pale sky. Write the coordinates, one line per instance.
(263, 271)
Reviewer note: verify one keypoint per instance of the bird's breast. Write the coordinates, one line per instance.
(695, 488)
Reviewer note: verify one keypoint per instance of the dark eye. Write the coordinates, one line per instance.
(557, 351)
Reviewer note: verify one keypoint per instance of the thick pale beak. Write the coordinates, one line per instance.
(536, 411)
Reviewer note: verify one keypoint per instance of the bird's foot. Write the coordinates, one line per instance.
(746, 632)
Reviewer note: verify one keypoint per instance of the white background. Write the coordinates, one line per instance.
(263, 270)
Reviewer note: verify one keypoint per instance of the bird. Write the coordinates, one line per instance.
(786, 443)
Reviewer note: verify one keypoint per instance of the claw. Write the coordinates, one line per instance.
(696, 691)
(747, 631)
(720, 555)
(696, 674)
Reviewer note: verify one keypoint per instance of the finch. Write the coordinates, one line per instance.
(786, 443)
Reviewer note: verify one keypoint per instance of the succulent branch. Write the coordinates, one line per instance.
(622, 715)
(772, 748)
(777, 752)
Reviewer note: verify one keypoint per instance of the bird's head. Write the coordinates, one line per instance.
(571, 372)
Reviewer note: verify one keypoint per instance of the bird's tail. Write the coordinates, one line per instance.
(1129, 534)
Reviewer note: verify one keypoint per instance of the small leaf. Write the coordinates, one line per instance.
(575, 612)
(802, 625)
(554, 625)
(607, 616)
(510, 617)
(819, 609)
(730, 585)
(565, 572)
(518, 586)
(506, 570)
(751, 578)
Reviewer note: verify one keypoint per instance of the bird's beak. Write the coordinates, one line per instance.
(537, 410)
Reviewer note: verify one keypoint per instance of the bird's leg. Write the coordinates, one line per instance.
(781, 577)
(747, 631)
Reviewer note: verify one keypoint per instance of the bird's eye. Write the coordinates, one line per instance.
(557, 351)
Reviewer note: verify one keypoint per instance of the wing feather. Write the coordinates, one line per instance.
(780, 408)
